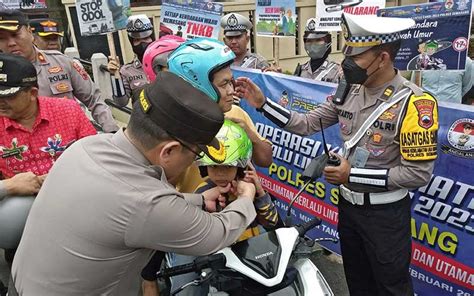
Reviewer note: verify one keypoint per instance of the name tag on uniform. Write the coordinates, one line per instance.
(360, 157)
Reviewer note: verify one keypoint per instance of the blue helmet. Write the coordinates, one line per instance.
(197, 59)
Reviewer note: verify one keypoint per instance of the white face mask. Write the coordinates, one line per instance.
(316, 51)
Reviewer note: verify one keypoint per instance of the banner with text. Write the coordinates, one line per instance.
(442, 223)
(191, 19)
(276, 18)
(22, 4)
(440, 38)
(328, 12)
(101, 16)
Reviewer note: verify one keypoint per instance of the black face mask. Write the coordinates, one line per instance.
(353, 73)
(139, 50)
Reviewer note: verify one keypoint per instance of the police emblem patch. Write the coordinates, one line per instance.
(62, 87)
(54, 70)
(387, 115)
(232, 21)
(425, 112)
(377, 138)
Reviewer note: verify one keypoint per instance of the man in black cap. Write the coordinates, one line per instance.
(110, 200)
(33, 131)
(318, 47)
(46, 33)
(58, 75)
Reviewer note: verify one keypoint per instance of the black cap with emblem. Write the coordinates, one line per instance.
(12, 20)
(184, 112)
(16, 73)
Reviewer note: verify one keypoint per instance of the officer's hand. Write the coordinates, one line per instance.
(272, 68)
(23, 184)
(243, 189)
(245, 88)
(113, 65)
(215, 195)
(338, 174)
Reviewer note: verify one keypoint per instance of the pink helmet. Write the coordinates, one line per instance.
(156, 54)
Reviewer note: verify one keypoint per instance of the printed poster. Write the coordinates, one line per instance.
(276, 18)
(442, 224)
(102, 16)
(440, 38)
(328, 12)
(22, 4)
(191, 19)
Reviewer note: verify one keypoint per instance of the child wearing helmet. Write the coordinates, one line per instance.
(205, 63)
(236, 165)
(156, 55)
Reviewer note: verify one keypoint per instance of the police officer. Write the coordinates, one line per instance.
(46, 33)
(380, 115)
(318, 47)
(140, 35)
(236, 36)
(58, 75)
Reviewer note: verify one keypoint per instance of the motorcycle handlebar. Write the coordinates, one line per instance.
(214, 261)
(303, 228)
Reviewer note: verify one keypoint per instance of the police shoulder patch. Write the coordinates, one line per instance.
(419, 131)
(80, 70)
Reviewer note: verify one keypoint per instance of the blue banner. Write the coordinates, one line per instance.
(440, 38)
(442, 212)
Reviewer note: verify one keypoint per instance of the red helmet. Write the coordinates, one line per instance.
(156, 54)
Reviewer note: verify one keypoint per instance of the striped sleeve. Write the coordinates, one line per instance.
(371, 177)
(276, 113)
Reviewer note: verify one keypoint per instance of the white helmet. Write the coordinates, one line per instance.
(13, 213)
(139, 26)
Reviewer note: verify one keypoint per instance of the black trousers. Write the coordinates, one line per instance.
(376, 247)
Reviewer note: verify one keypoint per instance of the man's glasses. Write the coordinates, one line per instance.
(199, 155)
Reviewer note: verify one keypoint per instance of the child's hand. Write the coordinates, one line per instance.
(252, 177)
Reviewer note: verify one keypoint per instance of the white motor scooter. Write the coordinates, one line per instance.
(272, 263)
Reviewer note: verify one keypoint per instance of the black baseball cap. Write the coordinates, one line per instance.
(45, 27)
(184, 112)
(16, 73)
(12, 19)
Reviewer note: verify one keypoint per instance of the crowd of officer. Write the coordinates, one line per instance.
(135, 184)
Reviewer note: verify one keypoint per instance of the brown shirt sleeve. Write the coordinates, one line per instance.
(308, 123)
(172, 224)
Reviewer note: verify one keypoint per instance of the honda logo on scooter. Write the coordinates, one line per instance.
(263, 255)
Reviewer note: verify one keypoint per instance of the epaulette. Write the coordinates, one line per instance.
(52, 52)
(418, 91)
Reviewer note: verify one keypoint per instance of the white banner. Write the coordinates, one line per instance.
(23, 4)
(328, 12)
(102, 16)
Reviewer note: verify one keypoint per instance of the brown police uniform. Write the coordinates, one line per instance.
(329, 72)
(253, 61)
(133, 77)
(379, 182)
(62, 77)
(395, 152)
